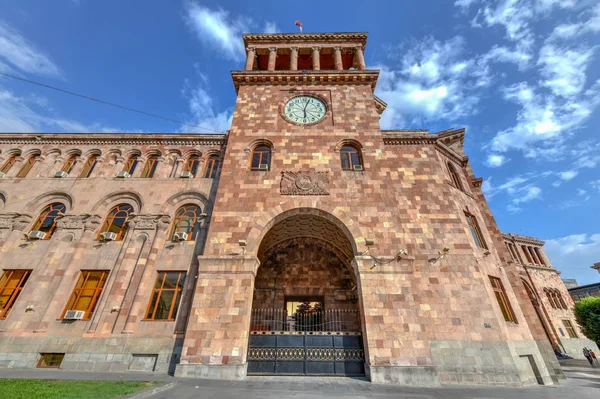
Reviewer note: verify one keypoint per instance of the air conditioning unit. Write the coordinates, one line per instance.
(180, 236)
(187, 175)
(123, 175)
(263, 166)
(74, 315)
(36, 235)
(108, 236)
(2, 175)
(357, 167)
(60, 174)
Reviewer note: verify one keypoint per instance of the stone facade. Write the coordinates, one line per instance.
(390, 240)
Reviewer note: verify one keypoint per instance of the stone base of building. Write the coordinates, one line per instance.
(551, 360)
(574, 347)
(211, 371)
(489, 363)
(399, 375)
(118, 354)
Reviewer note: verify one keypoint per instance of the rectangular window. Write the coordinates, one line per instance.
(87, 291)
(11, 284)
(130, 165)
(524, 248)
(150, 168)
(51, 360)
(475, 231)
(69, 165)
(8, 164)
(89, 166)
(507, 311)
(166, 295)
(570, 328)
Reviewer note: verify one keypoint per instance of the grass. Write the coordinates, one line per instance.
(51, 389)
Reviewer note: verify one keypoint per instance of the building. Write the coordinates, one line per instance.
(304, 241)
(583, 291)
(570, 283)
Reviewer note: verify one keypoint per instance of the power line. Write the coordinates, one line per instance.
(106, 102)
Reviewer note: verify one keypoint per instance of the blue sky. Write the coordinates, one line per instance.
(522, 75)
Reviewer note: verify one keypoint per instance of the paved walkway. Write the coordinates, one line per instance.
(582, 382)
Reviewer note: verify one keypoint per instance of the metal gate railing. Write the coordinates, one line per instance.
(338, 320)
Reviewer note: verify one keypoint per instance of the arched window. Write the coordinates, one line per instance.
(27, 166)
(8, 164)
(130, 165)
(46, 222)
(69, 164)
(559, 299)
(261, 158)
(185, 221)
(116, 221)
(454, 175)
(191, 164)
(150, 167)
(212, 165)
(89, 166)
(351, 158)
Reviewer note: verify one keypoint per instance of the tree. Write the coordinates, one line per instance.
(587, 313)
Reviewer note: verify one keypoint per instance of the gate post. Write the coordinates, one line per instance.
(216, 339)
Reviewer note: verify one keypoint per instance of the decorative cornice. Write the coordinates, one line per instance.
(329, 77)
(477, 182)
(380, 105)
(523, 239)
(113, 139)
(149, 222)
(304, 37)
(15, 221)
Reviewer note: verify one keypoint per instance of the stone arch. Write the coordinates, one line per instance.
(12, 152)
(185, 197)
(43, 200)
(118, 197)
(213, 153)
(339, 218)
(351, 142)
(97, 152)
(190, 153)
(34, 152)
(113, 155)
(153, 152)
(2, 199)
(258, 143)
(132, 152)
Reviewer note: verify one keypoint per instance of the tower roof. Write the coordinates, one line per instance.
(360, 38)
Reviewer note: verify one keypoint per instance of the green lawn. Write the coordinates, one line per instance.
(51, 389)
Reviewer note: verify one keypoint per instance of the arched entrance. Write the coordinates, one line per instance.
(305, 310)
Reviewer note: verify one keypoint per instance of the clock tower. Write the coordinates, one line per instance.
(337, 248)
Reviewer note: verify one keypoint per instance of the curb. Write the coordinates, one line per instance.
(146, 393)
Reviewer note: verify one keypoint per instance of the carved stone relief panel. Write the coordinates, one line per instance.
(304, 183)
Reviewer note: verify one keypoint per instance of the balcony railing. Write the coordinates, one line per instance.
(332, 320)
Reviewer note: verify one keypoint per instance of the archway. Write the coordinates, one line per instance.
(306, 315)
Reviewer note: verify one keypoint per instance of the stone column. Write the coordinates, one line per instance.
(294, 59)
(272, 58)
(337, 58)
(316, 58)
(360, 58)
(250, 58)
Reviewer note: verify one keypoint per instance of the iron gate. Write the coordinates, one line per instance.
(299, 345)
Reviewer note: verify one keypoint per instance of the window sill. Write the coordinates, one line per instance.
(160, 321)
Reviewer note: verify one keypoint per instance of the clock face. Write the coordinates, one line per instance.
(304, 110)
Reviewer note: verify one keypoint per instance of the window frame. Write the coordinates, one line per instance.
(176, 298)
(131, 164)
(6, 276)
(8, 164)
(192, 163)
(475, 230)
(45, 214)
(109, 221)
(44, 354)
(69, 164)
(503, 301)
(78, 289)
(211, 167)
(527, 255)
(150, 167)
(262, 151)
(539, 255)
(177, 218)
(27, 166)
(454, 176)
(88, 166)
(346, 155)
(570, 328)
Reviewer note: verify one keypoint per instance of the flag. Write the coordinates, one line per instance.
(299, 25)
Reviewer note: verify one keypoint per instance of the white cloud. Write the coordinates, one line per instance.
(581, 192)
(271, 27)
(573, 254)
(571, 31)
(16, 52)
(215, 28)
(568, 175)
(595, 184)
(434, 80)
(203, 109)
(564, 69)
(531, 193)
(496, 160)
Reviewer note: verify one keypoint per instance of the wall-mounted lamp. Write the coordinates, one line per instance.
(243, 243)
(115, 308)
(441, 255)
(29, 308)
